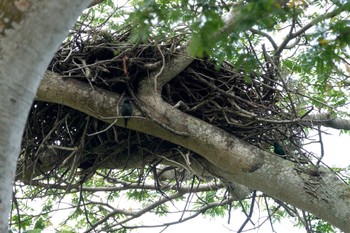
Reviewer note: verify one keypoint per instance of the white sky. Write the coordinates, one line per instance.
(336, 147)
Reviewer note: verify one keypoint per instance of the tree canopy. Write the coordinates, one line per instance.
(223, 96)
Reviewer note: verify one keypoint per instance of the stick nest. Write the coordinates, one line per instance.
(253, 106)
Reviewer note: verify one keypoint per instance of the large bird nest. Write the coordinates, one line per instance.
(254, 106)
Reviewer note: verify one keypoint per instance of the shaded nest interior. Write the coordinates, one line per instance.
(253, 106)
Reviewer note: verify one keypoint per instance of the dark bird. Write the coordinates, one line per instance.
(87, 164)
(278, 149)
(126, 110)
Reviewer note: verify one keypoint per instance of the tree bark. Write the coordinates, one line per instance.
(313, 189)
(327, 120)
(30, 32)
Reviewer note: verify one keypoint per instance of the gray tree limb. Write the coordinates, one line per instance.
(327, 120)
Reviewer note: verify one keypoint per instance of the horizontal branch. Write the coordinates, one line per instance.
(126, 186)
(325, 119)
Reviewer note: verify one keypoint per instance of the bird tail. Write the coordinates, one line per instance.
(125, 122)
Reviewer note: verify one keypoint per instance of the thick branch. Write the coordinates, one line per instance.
(316, 191)
(326, 120)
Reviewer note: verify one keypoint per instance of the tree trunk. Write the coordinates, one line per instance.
(30, 32)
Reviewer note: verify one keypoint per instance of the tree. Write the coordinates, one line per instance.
(210, 94)
(18, 79)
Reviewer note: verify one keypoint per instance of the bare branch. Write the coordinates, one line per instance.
(273, 43)
(318, 19)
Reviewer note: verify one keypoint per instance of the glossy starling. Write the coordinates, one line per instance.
(87, 164)
(278, 149)
(126, 111)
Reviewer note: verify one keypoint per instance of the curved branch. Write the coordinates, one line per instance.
(314, 189)
(261, 33)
